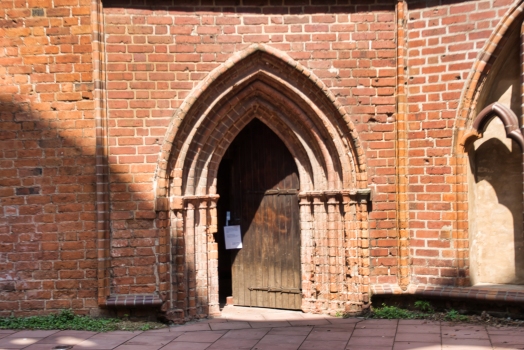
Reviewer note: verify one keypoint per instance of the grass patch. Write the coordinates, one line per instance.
(454, 315)
(424, 310)
(393, 312)
(66, 319)
(424, 306)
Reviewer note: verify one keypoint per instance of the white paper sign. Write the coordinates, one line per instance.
(233, 237)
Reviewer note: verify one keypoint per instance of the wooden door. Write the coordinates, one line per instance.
(263, 200)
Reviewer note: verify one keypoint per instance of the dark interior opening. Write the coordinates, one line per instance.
(258, 183)
(225, 257)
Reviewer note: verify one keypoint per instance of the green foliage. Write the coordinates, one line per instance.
(66, 319)
(393, 312)
(424, 311)
(453, 315)
(145, 327)
(424, 306)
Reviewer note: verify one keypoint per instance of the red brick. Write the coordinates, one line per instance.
(49, 123)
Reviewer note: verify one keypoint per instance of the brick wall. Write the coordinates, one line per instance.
(47, 183)
(443, 43)
(154, 57)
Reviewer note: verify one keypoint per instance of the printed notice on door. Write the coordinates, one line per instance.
(233, 237)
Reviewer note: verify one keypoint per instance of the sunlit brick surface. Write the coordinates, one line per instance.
(96, 149)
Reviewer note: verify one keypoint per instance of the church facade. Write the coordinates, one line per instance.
(356, 149)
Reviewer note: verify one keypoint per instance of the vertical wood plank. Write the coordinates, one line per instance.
(270, 256)
(297, 276)
(272, 249)
(264, 258)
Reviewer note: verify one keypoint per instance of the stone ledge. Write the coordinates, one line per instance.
(133, 300)
(492, 292)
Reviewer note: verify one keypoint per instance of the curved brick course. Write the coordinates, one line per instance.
(198, 98)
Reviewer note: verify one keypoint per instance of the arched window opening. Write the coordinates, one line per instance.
(494, 146)
(495, 207)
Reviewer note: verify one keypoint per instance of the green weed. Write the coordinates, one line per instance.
(393, 312)
(145, 327)
(424, 306)
(453, 315)
(66, 319)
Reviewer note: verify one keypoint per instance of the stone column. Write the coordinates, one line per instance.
(363, 244)
(201, 257)
(350, 248)
(164, 257)
(321, 252)
(190, 268)
(212, 253)
(307, 251)
(178, 265)
(333, 247)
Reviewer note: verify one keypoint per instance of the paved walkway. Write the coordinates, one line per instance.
(263, 329)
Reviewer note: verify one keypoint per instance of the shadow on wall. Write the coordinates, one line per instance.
(428, 4)
(267, 7)
(48, 234)
(282, 7)
(497, 244)
(48, 259)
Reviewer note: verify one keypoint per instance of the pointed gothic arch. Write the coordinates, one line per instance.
(495, 146)
(468, 110)
(262, 82)
(473, 114)
(299, 92)
(506, 115)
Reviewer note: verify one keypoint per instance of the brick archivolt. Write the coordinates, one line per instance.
(265, 83)
(258, 99)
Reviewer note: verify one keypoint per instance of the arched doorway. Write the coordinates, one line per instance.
(258, 186)
(264, 83)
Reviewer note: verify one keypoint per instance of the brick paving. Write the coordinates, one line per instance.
(265, 329)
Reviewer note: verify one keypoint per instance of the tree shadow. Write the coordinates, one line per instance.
(48, 257)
